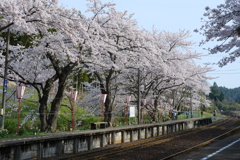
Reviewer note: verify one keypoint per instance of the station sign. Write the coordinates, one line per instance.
(132, 111)
(5, 83)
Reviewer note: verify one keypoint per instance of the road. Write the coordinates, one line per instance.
(224, 149)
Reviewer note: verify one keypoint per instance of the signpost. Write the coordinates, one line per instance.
(132, 111)
(5, 83)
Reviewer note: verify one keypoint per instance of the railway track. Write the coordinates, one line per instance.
(119, 151)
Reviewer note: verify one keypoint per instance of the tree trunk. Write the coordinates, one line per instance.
(49, 120)
(108, 105)
(56, 103)
(107, 90)
(43, 115)
(43, 111)
(108, 110)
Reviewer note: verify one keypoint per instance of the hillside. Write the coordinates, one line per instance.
(230, 95)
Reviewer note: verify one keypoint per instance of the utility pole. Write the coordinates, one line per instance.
(191, 104)
(2, 112)
(138, 101)
(173, 113)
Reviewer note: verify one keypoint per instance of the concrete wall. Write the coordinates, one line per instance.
(37, 147)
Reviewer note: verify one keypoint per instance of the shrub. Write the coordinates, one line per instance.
(11, 125)
(63, 123)
(3, 132)
(119, 121)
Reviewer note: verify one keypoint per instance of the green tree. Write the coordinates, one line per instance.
(221, 96)
(214, 94)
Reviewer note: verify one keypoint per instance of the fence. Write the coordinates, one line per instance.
(187, 114)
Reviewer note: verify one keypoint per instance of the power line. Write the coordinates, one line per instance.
(225, 73)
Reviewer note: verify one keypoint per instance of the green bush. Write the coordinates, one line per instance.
(29, 128)
(119, 121)
(11, 125)
(3, 133)
(24, 132)
(133, 120)
(63, 123)
(85, 122)
(91, 119)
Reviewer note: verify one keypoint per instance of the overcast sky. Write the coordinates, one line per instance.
(172, 15)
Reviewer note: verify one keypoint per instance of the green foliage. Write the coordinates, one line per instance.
(63, 123)
(11, 125)
(206, 114)
(214, 94)
(82, 118)
(119, 121)
(221, 96)
(31, 127)
(231, 95)
(29, 131)
(29, 109)
(214, 89)
(228, 99)
(52, 30)
(16, 39)
(80, 77)
(3, 133)
(147, 119)
(224, 106)
(65, 117)
(85, 123)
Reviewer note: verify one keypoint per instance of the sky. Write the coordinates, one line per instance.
(172, 16)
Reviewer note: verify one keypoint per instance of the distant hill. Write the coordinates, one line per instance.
(231, 95)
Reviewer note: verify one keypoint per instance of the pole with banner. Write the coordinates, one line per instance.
(154, 109)
(128, 98)
(144, 102)
(20, 93)
(73, 98)
(171, 102)
(160, 110)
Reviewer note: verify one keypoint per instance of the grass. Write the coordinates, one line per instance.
(205, 114)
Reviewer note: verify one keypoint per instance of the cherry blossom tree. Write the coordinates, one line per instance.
(109, 45)
(176, 70)
(221, 24)
(120, 44)
(59, 41)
